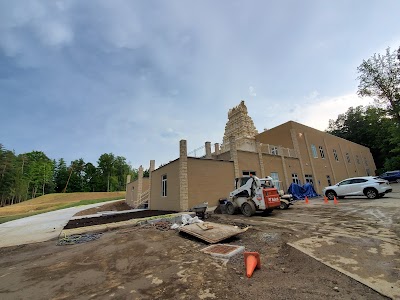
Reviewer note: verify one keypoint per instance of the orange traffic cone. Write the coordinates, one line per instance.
(335, 200)
(325, 200)
(251, 261)
(307, 200)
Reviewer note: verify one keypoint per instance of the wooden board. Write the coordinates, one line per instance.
(217, 233)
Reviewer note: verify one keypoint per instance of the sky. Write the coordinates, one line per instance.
(83, 78)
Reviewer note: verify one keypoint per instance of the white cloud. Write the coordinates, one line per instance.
(317, 115)
(252, 91)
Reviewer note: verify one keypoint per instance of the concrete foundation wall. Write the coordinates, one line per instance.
(171, 201)
(209, 180)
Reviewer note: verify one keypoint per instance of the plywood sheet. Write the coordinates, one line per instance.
(216, 233)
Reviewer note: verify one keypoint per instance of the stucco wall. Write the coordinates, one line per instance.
(171, 201)
(278, 136)
(209, 180)
(132, 188)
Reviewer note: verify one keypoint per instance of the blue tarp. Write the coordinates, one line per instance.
(300, 192)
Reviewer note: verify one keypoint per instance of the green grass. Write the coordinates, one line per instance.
(11, 217)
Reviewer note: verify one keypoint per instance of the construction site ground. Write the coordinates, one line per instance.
(311, 251)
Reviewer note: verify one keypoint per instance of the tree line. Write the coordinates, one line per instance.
(29, 175)
(376, 126)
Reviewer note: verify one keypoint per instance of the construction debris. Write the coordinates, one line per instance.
(213, 235)
(78, 239)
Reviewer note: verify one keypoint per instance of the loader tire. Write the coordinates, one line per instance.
(248, 208)
(230, 208)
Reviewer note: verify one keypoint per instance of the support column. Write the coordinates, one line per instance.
(344, 161)
(284, 170)
(183, 177)
(208, 149)
(151, 169)
(260, 159)
(217, 149)
(314, 174)
(328, 152)
(140, 186)
(297, 150)
(234, 157)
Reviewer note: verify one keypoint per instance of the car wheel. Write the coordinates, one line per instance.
(398, 180)
(330, 195)
(371, 193)
(283, 205)
(230, 208)
(248, 209)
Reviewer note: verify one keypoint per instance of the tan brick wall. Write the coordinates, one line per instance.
(171, 202)
(224, 156)
(132, 190)
(209, 180)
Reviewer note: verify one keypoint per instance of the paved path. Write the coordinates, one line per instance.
(39, 228)
(358, 237)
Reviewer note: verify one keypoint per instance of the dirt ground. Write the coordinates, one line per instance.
(145, 263)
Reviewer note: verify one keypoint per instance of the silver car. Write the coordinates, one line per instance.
(371, 187)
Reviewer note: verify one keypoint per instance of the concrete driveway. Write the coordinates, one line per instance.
(39, 228)
(358, 237)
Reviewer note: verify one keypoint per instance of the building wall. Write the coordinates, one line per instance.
(248, 161)
(132, 188)
(337, 170)
(171, 201)
(209, 180)
(224, 156)
(278, 136)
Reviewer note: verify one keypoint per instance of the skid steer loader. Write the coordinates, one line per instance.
(250, 196)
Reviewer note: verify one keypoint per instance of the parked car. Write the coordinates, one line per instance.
(392, 176)
(372, 187)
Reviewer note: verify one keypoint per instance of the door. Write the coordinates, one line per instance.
(344, 188)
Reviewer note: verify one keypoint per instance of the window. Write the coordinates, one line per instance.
(335, 155)
(295, 178)
(358, 180)
(357, 159)
(328, 178)
(345, 182)
(164, 185)
(275, 180)
(314, 151)
(248, 173)
(321, 152)
(348, 157)
(309, 178)
(274, 150)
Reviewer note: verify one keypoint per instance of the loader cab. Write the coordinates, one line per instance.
(241, 181)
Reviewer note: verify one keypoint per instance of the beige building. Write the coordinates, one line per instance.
(290, 152)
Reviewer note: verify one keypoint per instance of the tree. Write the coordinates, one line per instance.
(380, 78)
(106, 166)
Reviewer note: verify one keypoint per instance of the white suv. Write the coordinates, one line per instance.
(372, 187)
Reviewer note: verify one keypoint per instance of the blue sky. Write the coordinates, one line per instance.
(82, 78)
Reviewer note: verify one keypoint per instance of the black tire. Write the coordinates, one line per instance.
(341, 197)
(398, 180)
(330, 195)
(230, 208)
(248, 208)
(371, 193)
(284, 205)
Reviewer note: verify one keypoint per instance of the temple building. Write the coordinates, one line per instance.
(290, 152)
